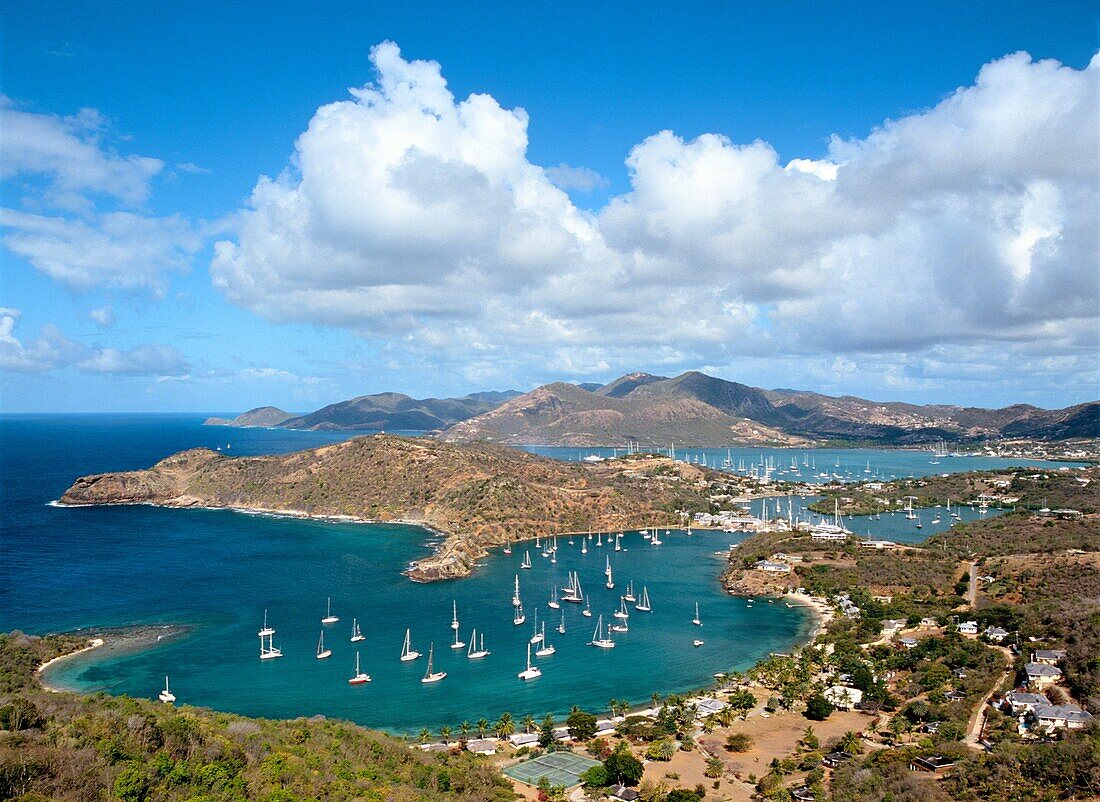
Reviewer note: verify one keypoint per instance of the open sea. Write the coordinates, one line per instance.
(217, 571)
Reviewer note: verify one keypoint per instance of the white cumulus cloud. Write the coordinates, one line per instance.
(416, 218)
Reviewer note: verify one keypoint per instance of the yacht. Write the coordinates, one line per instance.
(697, 621)
(454, 616)
(322, 652)
(407, 652)
(545, 649)
(358, 678)
(477, 651)
(430, 675)
(356, 635)
(642, 604)
(329, 617)
(166, 695)
(531, 672)
(600, 639)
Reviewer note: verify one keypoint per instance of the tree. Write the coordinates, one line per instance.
(809, 739)
(546, 733)
(132, 783)
(595, 777)
(682, 795)
(818, 708)
(464, 728)
(714, 768)
(663, 750)
(655, 698)
(506, 725)
(582, 726)
(739, 742)
(850, 742)
(529, 723)
(482, 725)
(899, 725)
(623, 767)
(444, 732)
(424, 736)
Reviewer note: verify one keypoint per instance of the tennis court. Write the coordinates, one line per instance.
(559, 768)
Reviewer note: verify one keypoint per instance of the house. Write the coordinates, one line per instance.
(622, 793)
(929, 623)
(954, 696)
(604, 727)
(1041, 675)
(960, 673)
(524, 739)
(803, 794)
(1067, 515)
(968, 628)
(562, 734)
(892, 626)
(908, 643)
(996, 634)
(843, 697)
(1020, 702)
(772, 567)
(1061, 717)
(482, 746)
(834, 759)
(880, 545)
(932, 763)
(436, 747)
(828, 534)
(708, 707)
(1048, 657)
(787, 558)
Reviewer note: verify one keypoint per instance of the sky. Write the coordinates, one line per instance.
(221, 206)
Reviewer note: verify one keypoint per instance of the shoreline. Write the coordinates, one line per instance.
(109, 640)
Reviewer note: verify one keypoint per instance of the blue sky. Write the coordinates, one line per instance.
(921, 250)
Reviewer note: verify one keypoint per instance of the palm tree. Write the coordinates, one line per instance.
(529, 723)
(444, 732)
(481, 726)
(464, 728)
(424, 736)
(506, 725)
(715, 767)
(575, 709)
(614, 705)
(850, 742)
(656, 699)
(873, 727)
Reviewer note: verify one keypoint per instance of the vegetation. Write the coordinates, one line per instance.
(66, 747)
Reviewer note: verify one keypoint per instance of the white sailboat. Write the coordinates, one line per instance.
(429, 675)
(656, 541)
(356, 635)
(476, 651)
(553, 603)
(621, 612)
(322, 652)
(267, 642)
(358, 678)
(454, 616)
(531, 672)
(515, 595)
(584, 547)
(618, 541)
(526, 560)
(622, 626)
(457, 643)
(643, 603)
(166, 695)
(518, 618)
(537, 637)
(546, 649)
(329, 617)
(587, 611)
(610, 584)
(507, 548)
(599, 539)
(697, 643)
(697, 621)
(407, 651)
(600, 639)
(629, 595)
(561, 626)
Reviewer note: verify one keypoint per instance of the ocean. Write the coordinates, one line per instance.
(216, 571)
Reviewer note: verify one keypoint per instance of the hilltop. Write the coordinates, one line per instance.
(259, 417)
(694, 409)
(477, 495)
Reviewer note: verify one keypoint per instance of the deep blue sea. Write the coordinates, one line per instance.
(62, 569)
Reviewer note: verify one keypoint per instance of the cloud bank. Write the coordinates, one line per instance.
(965, 233)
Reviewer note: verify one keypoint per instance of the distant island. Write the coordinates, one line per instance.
(690, 410)
(477, 495)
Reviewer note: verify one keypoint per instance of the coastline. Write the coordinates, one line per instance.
(109, 641)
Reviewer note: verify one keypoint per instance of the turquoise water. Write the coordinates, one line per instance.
(217, 570)
(844, 464)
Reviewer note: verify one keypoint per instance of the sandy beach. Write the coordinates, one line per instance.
(110, 642)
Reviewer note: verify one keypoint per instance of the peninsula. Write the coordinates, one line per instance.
(476, 495)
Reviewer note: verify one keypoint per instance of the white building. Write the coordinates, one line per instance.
(968, 628)
(843, 697)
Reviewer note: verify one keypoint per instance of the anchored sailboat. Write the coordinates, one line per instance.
(518, 617)
(515, 595)
(697, 621)
(359, 677)
(329, 617)
(537, 637)
(643, 603)
(546, 649)
(553, 603)
(629, 595)
(432, 676)
(561, 626)
(587, 611)
(454, 616)
(267, 642)
(526, 560)
(407, 652)
(476, 652)
(531, 672)
(356, 635)
(600, 639)
(457, 643)
(322, 652)
(166, 695)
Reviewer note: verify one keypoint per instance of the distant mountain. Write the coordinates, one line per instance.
(395, 411)
(260, 416)
(696, 409)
